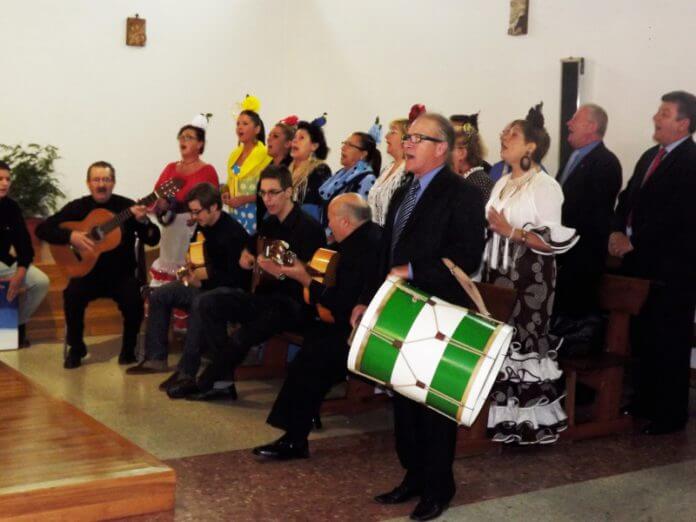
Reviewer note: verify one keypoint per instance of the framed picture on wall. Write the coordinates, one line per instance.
(519, 17)
(135, 32)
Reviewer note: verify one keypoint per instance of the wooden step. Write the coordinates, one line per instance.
(60, 464)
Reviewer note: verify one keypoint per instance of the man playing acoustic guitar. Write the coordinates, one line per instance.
(224, 239)
(322, 361)
(113, 275)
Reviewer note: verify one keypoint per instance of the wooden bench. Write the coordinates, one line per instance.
(621, 297)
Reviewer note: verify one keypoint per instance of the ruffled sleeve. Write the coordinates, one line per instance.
(548, 202)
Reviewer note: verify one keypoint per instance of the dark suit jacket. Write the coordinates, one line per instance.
(589, 195)
(448, 221)
(663, 218)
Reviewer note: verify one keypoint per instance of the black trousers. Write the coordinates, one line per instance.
(260, 316)
(425, 444)
(661, 339)
(319, 365)
(125, 290)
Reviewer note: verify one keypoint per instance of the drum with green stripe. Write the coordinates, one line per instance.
(431, 351)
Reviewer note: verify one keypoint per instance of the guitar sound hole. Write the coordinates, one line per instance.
(97, 234)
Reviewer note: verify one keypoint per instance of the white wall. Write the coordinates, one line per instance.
(68, 79)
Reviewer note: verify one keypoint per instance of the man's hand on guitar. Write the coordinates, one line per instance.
(190, 279)
(246, 260)
(298, 272)
(271, 267)
(400, 271)
(139, 212)
(357, 314)
(81, 241)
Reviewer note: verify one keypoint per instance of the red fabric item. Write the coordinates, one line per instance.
(207, 173)
(655, 163)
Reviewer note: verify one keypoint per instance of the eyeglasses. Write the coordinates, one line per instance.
(417, 138)
(349, 144)
(187, 137)
(271, 193)
(102, 180)
(195, 212)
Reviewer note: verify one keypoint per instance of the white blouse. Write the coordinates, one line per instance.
(382, 191)
(531, 205)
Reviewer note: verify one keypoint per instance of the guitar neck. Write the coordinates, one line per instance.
(126, 214)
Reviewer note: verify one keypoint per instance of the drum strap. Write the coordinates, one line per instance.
(468, 285)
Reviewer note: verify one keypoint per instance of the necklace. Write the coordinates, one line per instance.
(515, 184)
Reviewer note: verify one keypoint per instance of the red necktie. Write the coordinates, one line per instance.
(653, 167)
(655, 163)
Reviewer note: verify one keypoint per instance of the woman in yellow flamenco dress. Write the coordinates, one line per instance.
(245, 165)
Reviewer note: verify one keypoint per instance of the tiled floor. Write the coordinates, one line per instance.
(631, 477)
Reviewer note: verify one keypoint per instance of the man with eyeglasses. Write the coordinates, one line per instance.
(113, 276)
(275, 306)
(434, 216)
(224, 238)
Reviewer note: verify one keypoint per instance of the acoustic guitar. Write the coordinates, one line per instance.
(104, 228)
(277, 251)
(195, 261)
(322, 268)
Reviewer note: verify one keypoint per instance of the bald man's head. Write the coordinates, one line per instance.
(346, 213)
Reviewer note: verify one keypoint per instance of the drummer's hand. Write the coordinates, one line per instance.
(357, 315)
(270, 267)
(619, 244)
(246, 260)
(400, 271)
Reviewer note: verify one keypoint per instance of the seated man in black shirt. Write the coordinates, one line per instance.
(224, 240)
(322, 361)
(113, 275)
(23, 279)
(276, 306)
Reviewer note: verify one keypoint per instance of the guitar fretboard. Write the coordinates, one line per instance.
(125, 215)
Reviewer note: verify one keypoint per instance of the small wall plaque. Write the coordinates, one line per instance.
(135, 32)
(519, 16)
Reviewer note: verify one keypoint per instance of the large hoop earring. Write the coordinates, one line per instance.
(526, 162)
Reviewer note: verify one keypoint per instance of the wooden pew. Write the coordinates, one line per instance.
(622, 297)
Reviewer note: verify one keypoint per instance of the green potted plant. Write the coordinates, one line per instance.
(34, 186)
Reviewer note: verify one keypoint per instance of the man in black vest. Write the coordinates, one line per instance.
(591, 180)
(653, 228)
(114, 274)
(436, 215)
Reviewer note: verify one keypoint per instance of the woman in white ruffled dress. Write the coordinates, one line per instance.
(524, 214)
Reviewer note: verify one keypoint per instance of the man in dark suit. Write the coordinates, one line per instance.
(591, 180)
(654, 227)
(436, 215)
(322, 361)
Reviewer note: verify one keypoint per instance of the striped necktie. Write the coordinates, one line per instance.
(404, 212)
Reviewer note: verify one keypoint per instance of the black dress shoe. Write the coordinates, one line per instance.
(174, 377)
(182, 389)
(213, 394)
(74, 357)
(428, 508)
(127, 357)
(283, 449)
(398, 495)
(661, 428)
